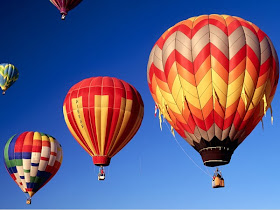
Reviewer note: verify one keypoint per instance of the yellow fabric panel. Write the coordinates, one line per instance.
(180, 98)
(132, 132)
(104, 116)
(77, 104)
(216, 66)
(257, 97)
(97, 112)
(45, 138)
(190, 92)
(249, 84)
(186, 75)
(176, 87)
(119, 124)
(124, 122)
(37, 136)
(220, 87)
(205, 89)
(166, 95)
(234, 90)
(174, 108)
(98, 118)
(168, 100)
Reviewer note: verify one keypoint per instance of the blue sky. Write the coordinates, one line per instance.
(114, 38)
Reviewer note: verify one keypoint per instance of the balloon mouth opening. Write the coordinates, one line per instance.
(101, 160)
(216, 156)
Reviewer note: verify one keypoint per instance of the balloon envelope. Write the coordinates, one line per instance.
(32, 159)
(103, 114)
(8, 75)
(213, 77)
(64, 6)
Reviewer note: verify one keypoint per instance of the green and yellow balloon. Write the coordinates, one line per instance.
(8, 76)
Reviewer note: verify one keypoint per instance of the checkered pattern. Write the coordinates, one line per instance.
(32, 159)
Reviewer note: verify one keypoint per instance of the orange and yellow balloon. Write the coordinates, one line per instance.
(213, 78)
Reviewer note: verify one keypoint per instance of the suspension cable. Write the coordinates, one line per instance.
(187, 153)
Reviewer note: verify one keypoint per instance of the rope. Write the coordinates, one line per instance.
(26, 195)
(187, 153)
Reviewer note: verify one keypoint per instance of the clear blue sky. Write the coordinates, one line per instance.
(114, 38)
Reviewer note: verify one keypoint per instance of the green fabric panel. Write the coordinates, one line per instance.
(18, 162)
(32, 179)
(8, 162)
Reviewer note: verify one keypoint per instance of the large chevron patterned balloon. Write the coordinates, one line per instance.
(213, 77)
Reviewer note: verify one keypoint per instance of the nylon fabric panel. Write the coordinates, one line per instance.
(106, 112)
(72, 130)
(31, 152)
(79, 117)
(210, 76)
(18, 158)
(8, 75)
(158, 96)
(10, 162)
(65, 5)
(115, 113)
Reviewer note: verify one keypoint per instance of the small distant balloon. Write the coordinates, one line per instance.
(64, 6)
(8, 76)
(32, 159)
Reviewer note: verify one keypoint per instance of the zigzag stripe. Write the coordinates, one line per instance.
(210, 74)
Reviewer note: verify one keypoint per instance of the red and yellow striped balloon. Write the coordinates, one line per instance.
(103, 114)
(213, 77)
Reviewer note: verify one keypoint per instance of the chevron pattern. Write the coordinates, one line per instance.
(213, 76)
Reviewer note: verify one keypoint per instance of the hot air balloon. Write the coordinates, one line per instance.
(103, 114)
(64, 6)
(213, 78)
(8, 75)
(32, 159)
